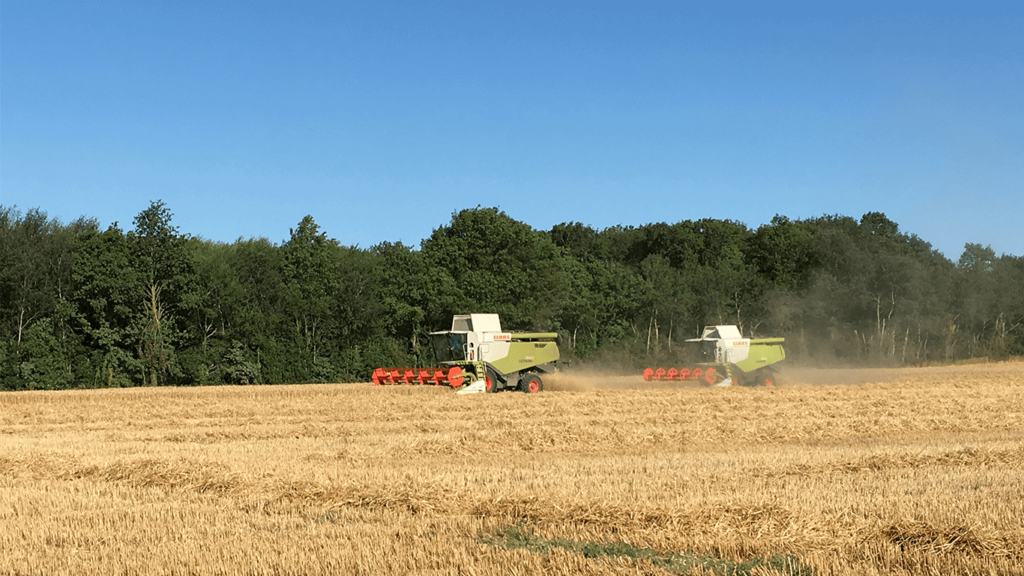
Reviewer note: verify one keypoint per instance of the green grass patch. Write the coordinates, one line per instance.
(519, 537)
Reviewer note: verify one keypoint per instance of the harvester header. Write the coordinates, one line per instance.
(476, 355)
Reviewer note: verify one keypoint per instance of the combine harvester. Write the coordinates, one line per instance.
(729, 359)
(477, 356)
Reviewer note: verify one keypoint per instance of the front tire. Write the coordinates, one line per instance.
(490, 381)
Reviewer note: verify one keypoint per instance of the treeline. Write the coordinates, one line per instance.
(85, 307)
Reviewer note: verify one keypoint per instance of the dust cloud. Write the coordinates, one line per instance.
(792, 375)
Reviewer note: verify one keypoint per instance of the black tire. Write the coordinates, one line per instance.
(764, 377)
(531, 383)
(492, 381)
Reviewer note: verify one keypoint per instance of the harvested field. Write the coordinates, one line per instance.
(922, 473)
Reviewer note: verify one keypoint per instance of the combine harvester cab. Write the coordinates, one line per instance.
(477, 356)
(728, 359)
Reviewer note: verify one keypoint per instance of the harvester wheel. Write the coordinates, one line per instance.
(764, 377)
(532, 383)
(490, 381)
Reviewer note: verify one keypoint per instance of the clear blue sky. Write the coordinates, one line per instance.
(382, 118)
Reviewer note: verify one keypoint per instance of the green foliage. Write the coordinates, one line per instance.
(84, 307)
(781, 253)
(45, 360)
(241, 365)
(165, 262)
(330, 299)
(107, 301)
(519, 537)
(405, 294)
(484, 261)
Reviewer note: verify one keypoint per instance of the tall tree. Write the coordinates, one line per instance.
(34, 268)
(781, 253)
(262, 325)
(107, 299)
(329, 291)
(164, 262)
(495, 264)
(211, 313)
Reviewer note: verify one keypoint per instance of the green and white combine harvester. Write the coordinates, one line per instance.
(727, 359)
(476, 355)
